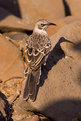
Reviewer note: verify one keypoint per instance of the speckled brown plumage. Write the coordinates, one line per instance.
(37, 45)
(37, 49)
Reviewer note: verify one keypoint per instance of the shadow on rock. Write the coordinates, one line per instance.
(64, 110)
(79, 78)
(77, 46)
(12, 6)
(55, 55)
(5, 108)
(67, 9)
(2, 118)
(5, 29)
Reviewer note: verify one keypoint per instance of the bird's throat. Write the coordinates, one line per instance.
(40, 31)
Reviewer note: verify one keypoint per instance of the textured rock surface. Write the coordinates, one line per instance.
(11, 68)
(4, 108)
(59, 95)
(17, 38)
(34, 10)
(75, 7)
(61, 23)
(59, 91)
(13, 64)
(12, 22)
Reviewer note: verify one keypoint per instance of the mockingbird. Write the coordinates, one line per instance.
(37, 49)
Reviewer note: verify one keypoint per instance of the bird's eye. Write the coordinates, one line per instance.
(42, 25)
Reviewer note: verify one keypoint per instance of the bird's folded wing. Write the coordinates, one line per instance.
(38, 62)
(35, 58)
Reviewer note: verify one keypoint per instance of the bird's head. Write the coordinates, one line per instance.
(42, 25)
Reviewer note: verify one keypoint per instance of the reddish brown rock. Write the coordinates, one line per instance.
(5, 108)
(46, 9)
(75, 7)
(70, 39)
(11, 63)
(17, 38)
(60, 23)
(9, 20)
(24, 117)
(71, 32)
(72, 50)
(2, 109)
(59, 92)
(11, 69)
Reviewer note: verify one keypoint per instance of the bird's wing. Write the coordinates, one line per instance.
(36, 53)
(36, 60)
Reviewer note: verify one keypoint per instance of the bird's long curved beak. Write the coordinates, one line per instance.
(51, 24)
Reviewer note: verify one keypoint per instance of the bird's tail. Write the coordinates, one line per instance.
(32, 80)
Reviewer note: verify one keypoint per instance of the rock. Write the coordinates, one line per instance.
(72, 50)
(17, 38)
(11, 68)
(20, 114)
(77, 118)
(23, 112)
(12, 22)
(4, 108)
(75, 7)
(11, 63)
(60, 93)
(3, 13)
(34, 10)
(11, 6)
(59, 96)
(25, 118)
(71, 40)
(70, 32)
(61, 23)
(32, 118)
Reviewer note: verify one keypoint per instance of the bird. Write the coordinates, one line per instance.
(38, 47)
